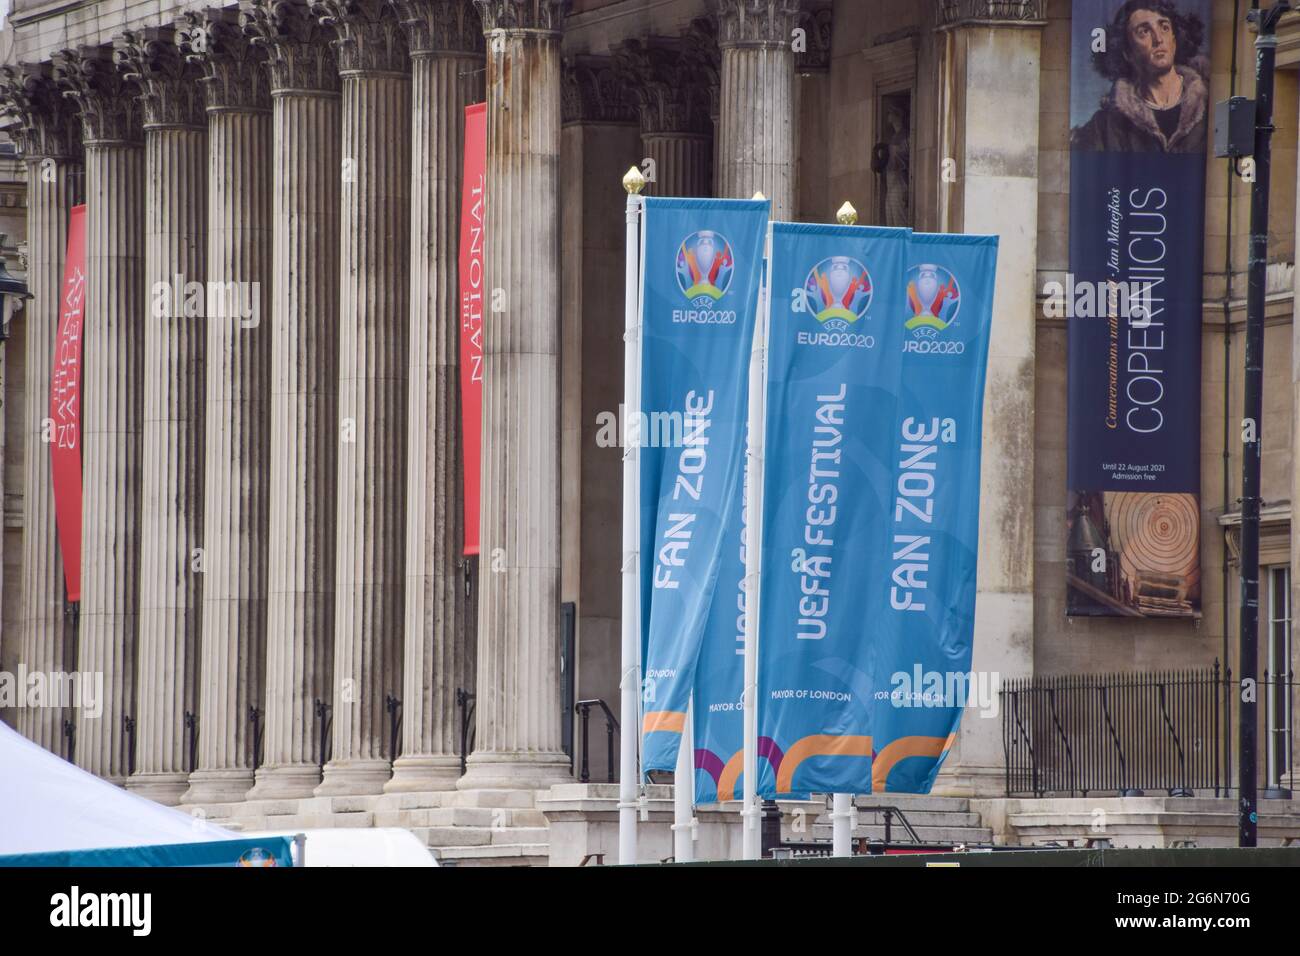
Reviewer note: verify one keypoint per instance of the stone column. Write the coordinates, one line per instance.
(111, 400)
(991, 130)
(600, 138)
(374, 322)
(50, 139)
(173, 382)
(304, 390)
(756, 123)
(702, 59)
(518, 741)
(237, 448)
(672, 100)
(446, 43)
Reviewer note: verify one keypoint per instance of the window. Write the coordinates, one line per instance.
(1278, 664)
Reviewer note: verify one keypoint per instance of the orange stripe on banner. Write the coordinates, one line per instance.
(730, 774)
(818, 745)
(673, 721)
(901, 749)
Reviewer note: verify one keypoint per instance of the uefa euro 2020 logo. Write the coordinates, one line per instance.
(935, 299)
(838, 292)
(704, 267)
(256, 857)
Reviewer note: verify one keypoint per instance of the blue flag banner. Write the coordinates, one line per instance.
(923, 629)
(701, 262)
(719, 717)
(835, 343)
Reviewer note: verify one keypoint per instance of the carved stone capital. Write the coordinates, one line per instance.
(107, 101)
(47, 123)
(234, 70)
(1027, 13)
(592, 91)
(815, 57)
(298, 52)
(545, 16)
(367, 35)
(170, 88)
(440, 26)
(670, 95)
(756, 23)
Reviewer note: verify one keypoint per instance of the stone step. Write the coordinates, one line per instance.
(442, 837)
(602, 791)
(491, 817)
(497, 854)
(275, 808)
(438, 817)
(540, 836)
(368, 803)
(306, 821)
(416, 800)
(510, 799)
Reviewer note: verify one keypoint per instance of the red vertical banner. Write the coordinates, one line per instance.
(471, 312)
(64, 429)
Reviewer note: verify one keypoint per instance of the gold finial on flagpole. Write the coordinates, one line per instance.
(758, 195)
(846, 215)
(633, 181)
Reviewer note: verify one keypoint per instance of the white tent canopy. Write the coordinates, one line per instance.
(47, 805)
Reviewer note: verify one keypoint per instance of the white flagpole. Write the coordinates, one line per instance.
(842, 824)
(842, 809)
(630, 647)
(684, 791)
(751, 842)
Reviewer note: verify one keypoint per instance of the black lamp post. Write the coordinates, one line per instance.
(13, 292)
(1265, 52)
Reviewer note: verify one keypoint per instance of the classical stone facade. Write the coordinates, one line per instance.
(273, 583)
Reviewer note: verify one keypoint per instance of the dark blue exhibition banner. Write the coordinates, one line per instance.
(1139, 93)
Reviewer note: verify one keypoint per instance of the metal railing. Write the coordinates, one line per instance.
(128, 742)
(191, 741)
(1126, 733)
(583, 707)
(255, 721)
(774, 847)
(465, 701)
(325, 742)
(393, 707)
